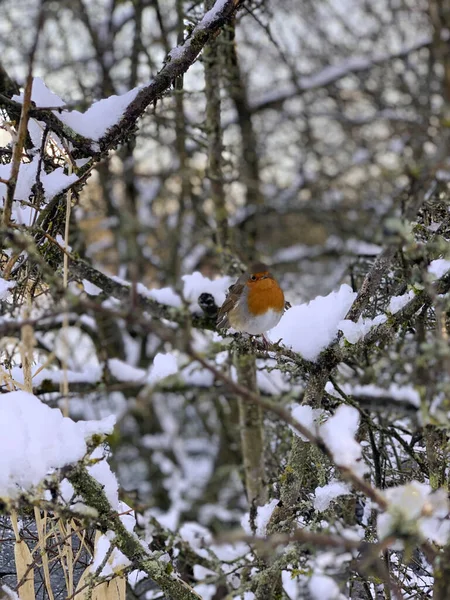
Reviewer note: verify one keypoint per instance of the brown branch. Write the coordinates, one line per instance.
(286, 416)
(94, 496)
(174, 67)
(421, 189)
(22, 131)
(384, 332)
(307, 537)
(331, 75)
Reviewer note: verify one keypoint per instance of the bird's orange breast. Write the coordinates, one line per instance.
(264, 295)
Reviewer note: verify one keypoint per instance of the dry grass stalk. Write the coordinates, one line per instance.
(24, 563)
(41, 525)
(66, 553)
(110, 590)
(6, 380)
(88, 589)
(26, 348)
(84, 588)
(65, 381)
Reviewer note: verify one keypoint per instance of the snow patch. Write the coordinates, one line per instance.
(396, 303)
(37, 440)
(41, 96)
(439, 267)
(5, 287)
(322, 587)
(163, 366)
(262, 518)
(197, 284)
(308, 417)
(310, 328)
(324, 495)
(353, 332)
(101, 116)
(338, 434)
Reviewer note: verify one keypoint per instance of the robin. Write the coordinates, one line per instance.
(255, 303)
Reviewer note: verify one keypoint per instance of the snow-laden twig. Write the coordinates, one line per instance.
(93, 494)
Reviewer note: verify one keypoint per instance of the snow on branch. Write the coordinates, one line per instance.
(108, 121)
(37, 440)
(331, 74)
(177, 63)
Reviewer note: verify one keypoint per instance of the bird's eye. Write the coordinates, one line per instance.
(253, 277)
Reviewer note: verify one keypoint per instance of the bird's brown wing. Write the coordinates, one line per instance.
(234, 293)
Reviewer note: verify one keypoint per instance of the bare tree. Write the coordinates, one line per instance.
(155, 151)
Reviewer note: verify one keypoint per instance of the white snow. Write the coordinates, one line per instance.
(89, 374)
(212, 13)
(273, 381)
(229, 552)
(36, 131)
(99, 117)
(435, 529)
(135, 577)
(163, 366)
(416, 507)
(197, 536)
(322, 587)
(177, 52)
(5, 287)
(338, 434)
(402, 393)
(122, 371)
(325, 494)
(37, 440)
(353, 332)
(56, 182)
(91, 428)
(9, 593)
(201, 572)
(62, 242)
(333, 72)
(439, 267)
(262, 518)
(308, 417)
(101, 471)
(91, 288)
(194, 374)
(41, 96)
(193, 285)
(163, 295)
(310, 328)
(82, 509)
(206, 591)
(196, 284)
(116, 562)
(25, 180)
(396, 303)
(53, 183)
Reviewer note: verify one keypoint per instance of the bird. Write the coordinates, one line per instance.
(254, 304)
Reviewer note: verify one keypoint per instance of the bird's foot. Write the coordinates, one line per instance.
(266, 343)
